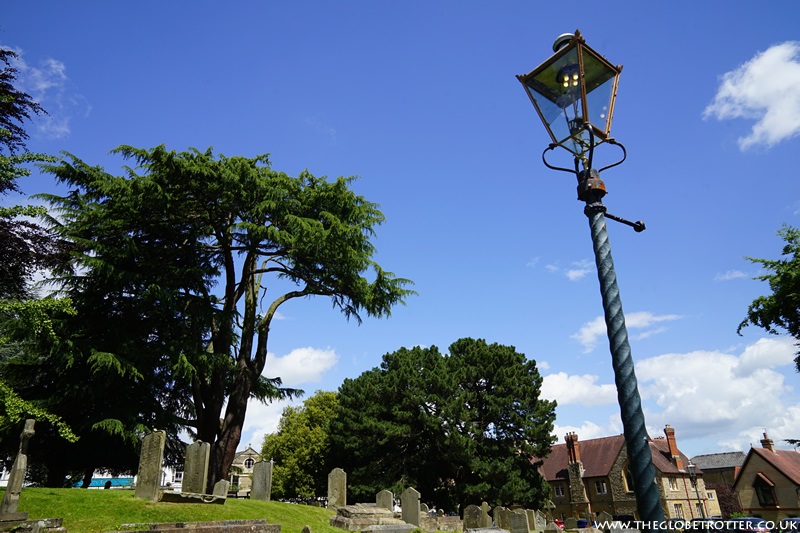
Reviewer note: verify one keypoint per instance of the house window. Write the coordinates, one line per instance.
(698, 509)
(558, 490)
(678, 510)
(764, 490)
(627, 480)
(248, 463)
(673, 484)
(177, 477)
(710, 495)
(600, 487)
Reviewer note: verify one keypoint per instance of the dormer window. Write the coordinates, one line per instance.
(765, 490)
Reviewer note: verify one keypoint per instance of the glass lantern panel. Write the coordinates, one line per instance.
(599, 79)
(556, 92)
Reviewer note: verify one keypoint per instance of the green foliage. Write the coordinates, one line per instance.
(300, 448)
(461, 428)
(779, 310)
(169, 271)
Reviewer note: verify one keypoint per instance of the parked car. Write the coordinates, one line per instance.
(559, 523)
(788, 525)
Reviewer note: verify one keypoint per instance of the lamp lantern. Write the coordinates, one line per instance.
(573, 93)
(692, 468)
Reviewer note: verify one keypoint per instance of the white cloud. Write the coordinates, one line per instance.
(574, 389)
(765, 89)
(729, 275)
(300, 366)
(47, 84)
(579, 270)
(721, 395)
(716, 400)
(592, 331)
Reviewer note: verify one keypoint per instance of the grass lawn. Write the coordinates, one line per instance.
(86, 510)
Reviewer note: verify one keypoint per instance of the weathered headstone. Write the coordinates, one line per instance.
(195, 468)
(384, 500)
(472, 517)
(16, 478)
(501, 517)
(337, 488)
(148, 477)
(552, 527)
(571, 523)
(485, 520)
(409, 500)
(424, 509)
(539, 520)
(221, 488)
(519, 522)
(262, 481)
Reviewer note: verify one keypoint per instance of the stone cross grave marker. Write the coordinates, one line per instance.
(16, 478)
(409, 500)
(195, 468)
(337, 488)
(151, 456)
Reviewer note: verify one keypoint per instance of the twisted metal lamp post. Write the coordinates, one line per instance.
(573, 93)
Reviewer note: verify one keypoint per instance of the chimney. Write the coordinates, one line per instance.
(767, 443)
(674, 453)
(572, 447)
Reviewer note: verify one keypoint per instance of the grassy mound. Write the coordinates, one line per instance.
(107, 510)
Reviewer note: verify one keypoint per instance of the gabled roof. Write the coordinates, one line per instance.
(785, 461)
(662, 460)
(719, 460)
(248, 451)
(599, 455)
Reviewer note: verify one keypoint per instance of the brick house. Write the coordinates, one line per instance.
(769, 482)
(592, 476)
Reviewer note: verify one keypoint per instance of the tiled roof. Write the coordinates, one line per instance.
(598, 455)
(662, 460)
(719, 460)
(786, 461)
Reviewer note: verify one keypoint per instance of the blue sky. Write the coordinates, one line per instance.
(420, 99)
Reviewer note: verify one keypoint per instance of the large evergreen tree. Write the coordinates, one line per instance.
(173, 262)
(461, 428)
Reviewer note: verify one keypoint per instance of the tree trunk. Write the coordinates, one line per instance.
(87, 478)
(223, 449)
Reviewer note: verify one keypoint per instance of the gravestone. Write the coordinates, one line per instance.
(148, 477)
(571, 523)
(539, 520)
(337, 488)
(262, 481)
(195, 468)
(385, 500)
(501, 517)
(409, 501)
(221, 488)
(16, 478)
(424, 509)
(519, 522)
(472, 516)
(552, 527)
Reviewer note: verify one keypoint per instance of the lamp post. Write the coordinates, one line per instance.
(692, 468)
(573, 93)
